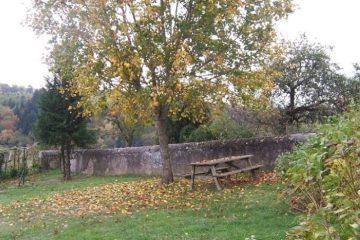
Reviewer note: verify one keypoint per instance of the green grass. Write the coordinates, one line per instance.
(46, 183)
(257, 211)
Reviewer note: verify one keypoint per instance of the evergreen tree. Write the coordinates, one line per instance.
(29, 115)
(60, 123)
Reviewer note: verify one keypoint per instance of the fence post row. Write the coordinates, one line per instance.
(13, 163)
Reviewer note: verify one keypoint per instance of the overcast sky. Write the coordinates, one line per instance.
(330, 22)
(21, 52)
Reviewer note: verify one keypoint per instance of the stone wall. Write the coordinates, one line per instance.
(146, 160)
(49, 159)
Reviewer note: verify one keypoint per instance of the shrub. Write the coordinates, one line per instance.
(202, 133)
(223, 127)
(323, 178)
(186, 131)
(13, 173)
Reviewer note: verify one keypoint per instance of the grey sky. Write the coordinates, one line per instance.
(21, 52)
(330, 22)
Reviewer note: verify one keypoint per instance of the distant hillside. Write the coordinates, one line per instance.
(15, 97)
(18, 107)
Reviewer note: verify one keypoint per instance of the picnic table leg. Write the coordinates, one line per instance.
(231, 164)
(253, 174)
(192, 176)
(213, 173)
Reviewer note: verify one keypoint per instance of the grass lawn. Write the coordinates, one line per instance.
(152, 212)
(42, 185)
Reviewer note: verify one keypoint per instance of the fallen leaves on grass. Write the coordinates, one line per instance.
(126, 198)
(115, 197)
(261, 178)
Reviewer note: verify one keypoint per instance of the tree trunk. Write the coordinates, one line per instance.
(291, 105)
(161, 120)
(130, 139)
(62, 157)
(67, 171)
(14, 160)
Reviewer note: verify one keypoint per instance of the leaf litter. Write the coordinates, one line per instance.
(128, 197)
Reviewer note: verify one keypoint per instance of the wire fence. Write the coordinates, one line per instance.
(18, 162)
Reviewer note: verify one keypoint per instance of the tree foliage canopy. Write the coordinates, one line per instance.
(57, 126)
(162, 50)
(309, 84)
(166, 57)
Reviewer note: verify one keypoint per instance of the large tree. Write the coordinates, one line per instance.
(172, 55)
(61, 121)
(309, 84)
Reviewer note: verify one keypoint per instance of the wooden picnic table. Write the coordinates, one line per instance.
(216, 171)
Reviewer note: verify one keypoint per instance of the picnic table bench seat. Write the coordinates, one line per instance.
(255, 167)
(207, 172)
(217, 172)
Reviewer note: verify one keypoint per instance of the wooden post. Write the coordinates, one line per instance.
(14, 160)
(6, 162)
(18, 159)
(2, 160)
(23, 169)
(249, 161)
(192, 176)
(253, 174)
(213, 173)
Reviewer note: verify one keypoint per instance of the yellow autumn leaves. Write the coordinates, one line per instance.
(115, 197)
(125, 198)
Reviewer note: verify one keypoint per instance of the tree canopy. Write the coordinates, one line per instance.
(309, 85)
(61, 122)
(57, 126)
(166, 57)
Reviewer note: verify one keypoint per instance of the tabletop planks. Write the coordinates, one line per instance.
(221, 160)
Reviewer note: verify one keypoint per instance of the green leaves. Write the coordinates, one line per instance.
(161, 45)
(309, 84)
(323, 174)
(183, 54)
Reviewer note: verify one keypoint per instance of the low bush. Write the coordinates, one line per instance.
(221, 127)
(323, 179)
(200, 134)
(13, 173)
